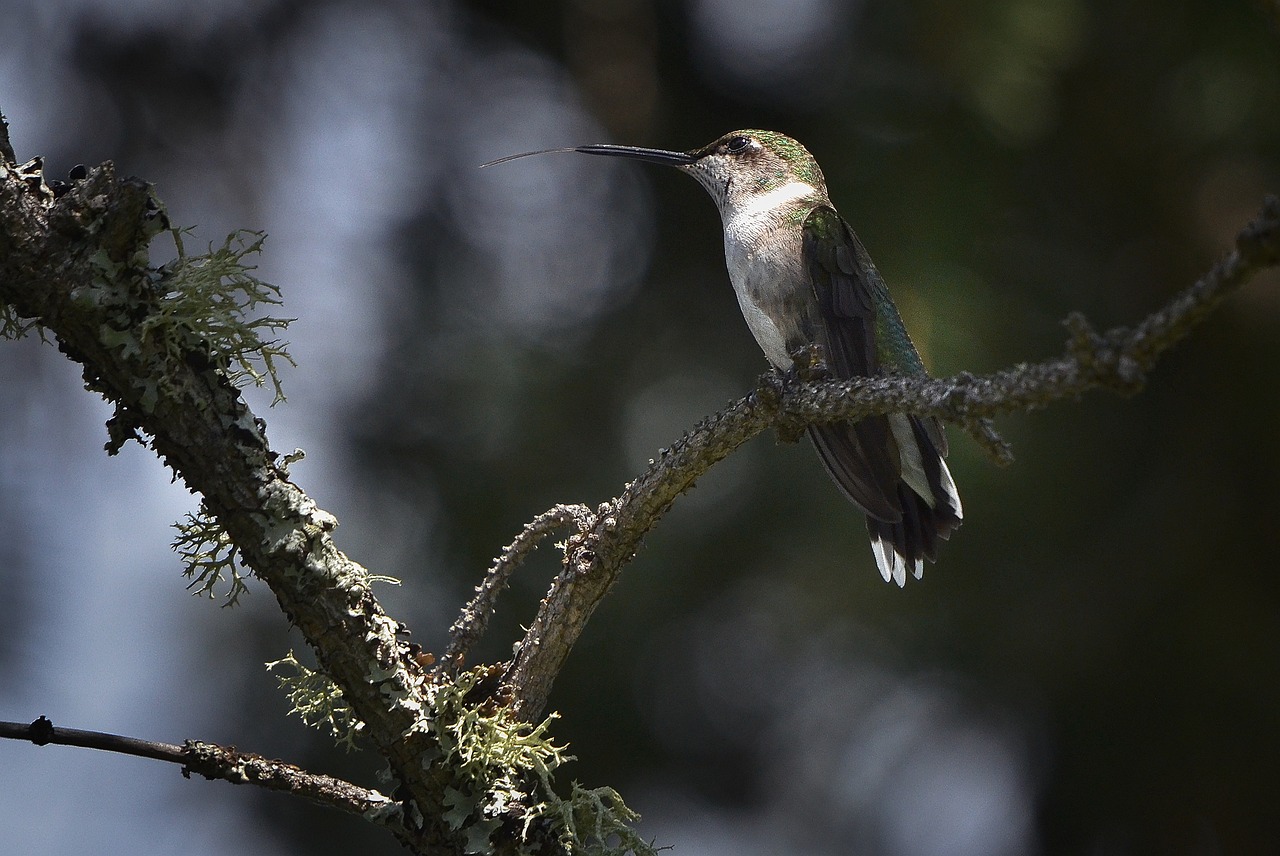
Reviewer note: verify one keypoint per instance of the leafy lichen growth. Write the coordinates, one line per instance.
(213, 295)
(590, 819)
(494, 770)
(14, 326)
(503, 768)
(318, 700)
(209, 556)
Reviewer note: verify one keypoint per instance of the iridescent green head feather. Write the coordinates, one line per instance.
(793, 160)
(745, 164)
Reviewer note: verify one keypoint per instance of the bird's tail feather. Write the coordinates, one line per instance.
(903, 545)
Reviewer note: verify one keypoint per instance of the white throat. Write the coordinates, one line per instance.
(766, 203)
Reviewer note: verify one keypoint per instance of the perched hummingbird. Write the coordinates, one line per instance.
(803, 278)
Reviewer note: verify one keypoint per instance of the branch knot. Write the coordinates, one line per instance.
(1112, 359)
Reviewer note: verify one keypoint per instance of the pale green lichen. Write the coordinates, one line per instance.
(592, 818)
(493, 768)
(502, 767)
(209, 557)
(282, 506)
(317, 700)
(213, 295)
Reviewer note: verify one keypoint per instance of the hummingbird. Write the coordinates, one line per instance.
(802, 278)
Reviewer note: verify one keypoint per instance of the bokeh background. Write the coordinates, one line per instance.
(1093, 667)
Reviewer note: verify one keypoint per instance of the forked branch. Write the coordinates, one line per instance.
(1118, 360)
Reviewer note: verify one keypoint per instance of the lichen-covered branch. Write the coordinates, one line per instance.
(79, 264)
(1117, 360)
(75, 265)
(231, 765)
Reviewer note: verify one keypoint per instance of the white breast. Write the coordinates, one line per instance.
(764, 260)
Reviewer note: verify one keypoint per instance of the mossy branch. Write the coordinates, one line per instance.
(169, 346)
(78, 264)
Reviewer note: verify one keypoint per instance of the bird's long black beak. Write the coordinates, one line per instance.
(650, 155)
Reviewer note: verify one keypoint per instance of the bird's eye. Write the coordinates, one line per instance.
(737, 145)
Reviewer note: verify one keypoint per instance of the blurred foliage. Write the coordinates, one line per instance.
(1109, 608)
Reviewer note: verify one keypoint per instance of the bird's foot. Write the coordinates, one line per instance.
(808, 363)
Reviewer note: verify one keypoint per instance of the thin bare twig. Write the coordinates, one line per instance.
(229, 764)
(42, 732)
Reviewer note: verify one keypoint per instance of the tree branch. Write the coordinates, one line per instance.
(1117, 360)
(163, 345)
(227, 763)
(77, 263)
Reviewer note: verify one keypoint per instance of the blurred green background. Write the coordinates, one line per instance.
(1092, 667)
